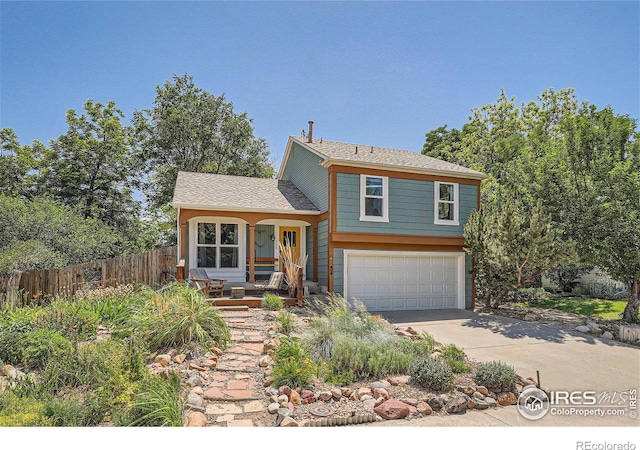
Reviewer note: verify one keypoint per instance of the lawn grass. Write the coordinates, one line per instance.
(604, 309)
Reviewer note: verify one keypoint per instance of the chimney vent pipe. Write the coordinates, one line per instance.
(310, 140)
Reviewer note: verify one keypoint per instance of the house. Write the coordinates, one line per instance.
(381, 225)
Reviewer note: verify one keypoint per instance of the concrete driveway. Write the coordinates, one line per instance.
(566, 360)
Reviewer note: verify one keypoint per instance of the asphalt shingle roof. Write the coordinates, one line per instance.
(229, 192)
(389, 157)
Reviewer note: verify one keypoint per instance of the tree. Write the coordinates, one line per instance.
(602, 155)
(189, 129)
(92, 166)
(15, 163)
(512, 246)
(41, 233)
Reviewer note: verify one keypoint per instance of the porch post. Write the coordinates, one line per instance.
(183, 239)
(252, 253)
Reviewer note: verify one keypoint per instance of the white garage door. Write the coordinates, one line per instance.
(405, 280)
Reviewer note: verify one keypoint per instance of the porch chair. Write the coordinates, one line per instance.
(273, 284)
(208, 286)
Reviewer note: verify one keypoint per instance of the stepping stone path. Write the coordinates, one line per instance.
(234, 395)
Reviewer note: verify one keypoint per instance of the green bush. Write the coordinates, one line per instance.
(604, 290)
(41, 345)
(75, 411)
(156, 403)
(431, 373)
(286, 322)
(18, 411)
(73, 318)
(495, 375)
(357, 345)
(526, 295)
(113, 305)
(272, 302)
(454, 357)
(111, 369)
(177, 316)
(292, 367)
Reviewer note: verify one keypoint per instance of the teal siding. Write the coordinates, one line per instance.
(467, 281)
(323, 258)
(304, 170)
(338, 271)
(263, 248)
(410, 208)
(309, 268)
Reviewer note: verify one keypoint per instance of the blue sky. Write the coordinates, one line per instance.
(378, 73)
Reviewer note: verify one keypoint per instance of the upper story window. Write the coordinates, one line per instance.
(374, 198)
(445, 203)
(217, 245)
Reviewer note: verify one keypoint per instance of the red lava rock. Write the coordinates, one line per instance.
(412, 331)
(392, 409)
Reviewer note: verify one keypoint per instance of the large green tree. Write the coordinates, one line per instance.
(601, 157)
(92, 166)
(42, 233)
(580, 164)
(189, 129)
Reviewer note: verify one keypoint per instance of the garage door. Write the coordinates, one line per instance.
(405, 280)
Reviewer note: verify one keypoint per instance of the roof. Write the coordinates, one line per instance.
(384, 158)
(232, 193)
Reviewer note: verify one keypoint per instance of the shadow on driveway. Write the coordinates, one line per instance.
(457, 320)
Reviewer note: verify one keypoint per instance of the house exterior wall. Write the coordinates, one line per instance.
(411, 209)
(304, 170)
(323, 256)
(309, 250)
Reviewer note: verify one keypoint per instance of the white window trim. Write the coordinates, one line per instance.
(436, 201)
(385, 199)
(193, 244)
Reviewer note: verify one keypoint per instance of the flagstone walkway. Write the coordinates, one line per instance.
(235, 395)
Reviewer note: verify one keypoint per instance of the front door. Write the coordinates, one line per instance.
(290, 236)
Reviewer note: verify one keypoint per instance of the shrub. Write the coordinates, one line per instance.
(11, 342)
(286, 322)
(75, 411)
(598, 290)
(73, 318)
(454, 358)
(41, 345)
(272, 302)
(179, 315)
(431, 373)
(526, 295)
(18, 411)
(293, 367)
(373, 359)
(156, 403)
(113, 305)
(495, 375)
(111, 369)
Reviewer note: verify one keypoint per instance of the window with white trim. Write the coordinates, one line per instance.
(217, 245)
(374, 198)
(445, 203)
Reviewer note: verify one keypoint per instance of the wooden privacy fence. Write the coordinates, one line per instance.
(151, 268)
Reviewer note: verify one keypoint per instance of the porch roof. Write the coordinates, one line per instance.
(233, 193)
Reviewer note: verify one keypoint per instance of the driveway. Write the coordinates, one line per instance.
(566, 360)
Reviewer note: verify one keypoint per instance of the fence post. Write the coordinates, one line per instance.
(300, 287)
